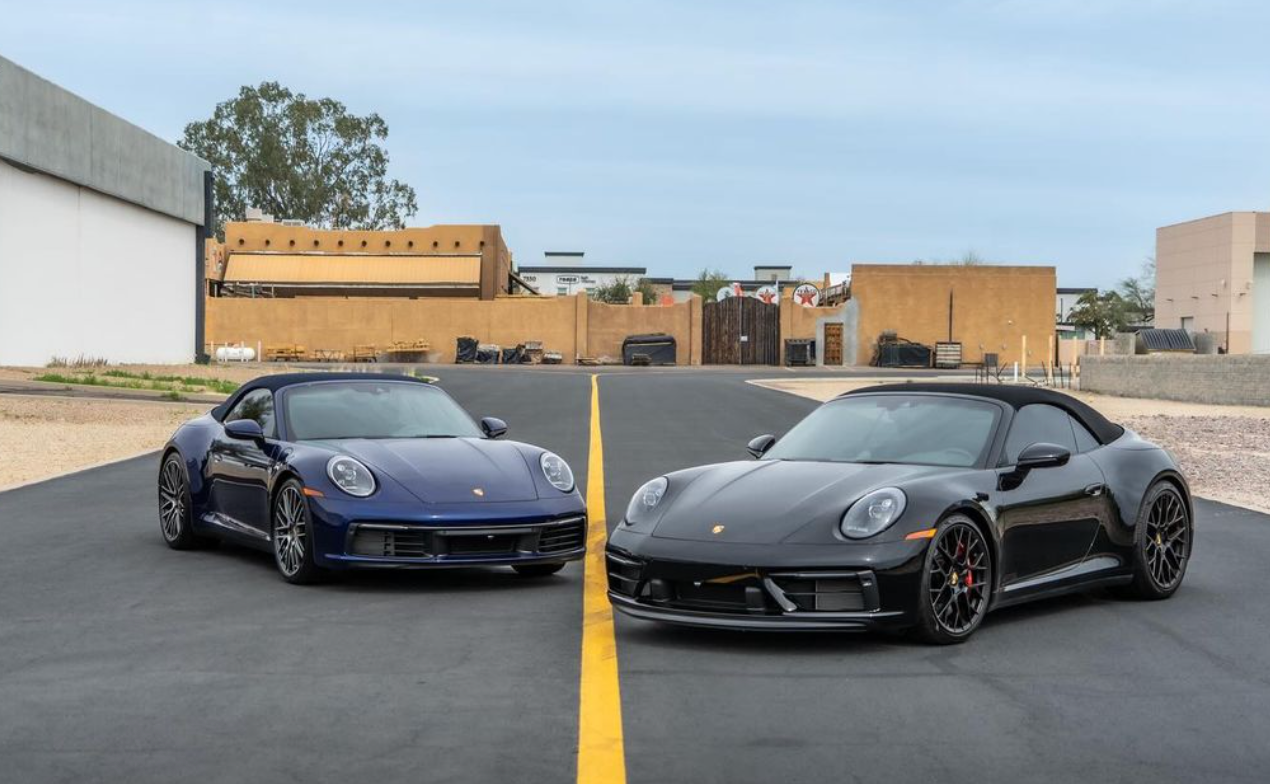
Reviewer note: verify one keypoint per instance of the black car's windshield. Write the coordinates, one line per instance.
(374, 409)
(890, 428)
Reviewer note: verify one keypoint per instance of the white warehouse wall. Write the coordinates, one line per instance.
(86, 274)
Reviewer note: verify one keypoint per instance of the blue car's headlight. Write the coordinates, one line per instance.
(646, 499)
(557, 471)
(350, 476)
(873, 513)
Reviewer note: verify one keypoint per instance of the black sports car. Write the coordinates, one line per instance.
(914, 505)
(334, 471)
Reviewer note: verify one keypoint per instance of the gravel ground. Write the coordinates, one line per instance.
(43, 436)
(1223, 450)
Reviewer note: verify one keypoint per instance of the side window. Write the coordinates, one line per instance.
(257, 405)
(1085, 440)
(1034, 424)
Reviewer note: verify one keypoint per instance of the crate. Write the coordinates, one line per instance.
(948, 355)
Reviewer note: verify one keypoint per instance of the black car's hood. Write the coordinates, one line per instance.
(447, 470)
(767, 501)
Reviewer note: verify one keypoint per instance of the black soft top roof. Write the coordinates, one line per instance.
(279, 380)
(1103, 429)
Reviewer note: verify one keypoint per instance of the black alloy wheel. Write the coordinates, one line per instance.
(1163, 547)
(957, 583)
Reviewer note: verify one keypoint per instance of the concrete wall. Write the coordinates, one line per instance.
(69, 287)
(1227, 380)
(1204, 273)
(994, 307)
(574, 326)
(56, 132)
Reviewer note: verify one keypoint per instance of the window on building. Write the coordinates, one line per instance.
(1188, 323)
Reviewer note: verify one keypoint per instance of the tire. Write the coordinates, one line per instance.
(538, 570)
(956, 585)
(176, 507)
(1162, 540)
(291, 535)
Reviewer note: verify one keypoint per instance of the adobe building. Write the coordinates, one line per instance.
(1212, 276)
(989, 309)
(266, 259)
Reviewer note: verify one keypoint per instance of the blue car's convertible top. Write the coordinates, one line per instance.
(338, 470)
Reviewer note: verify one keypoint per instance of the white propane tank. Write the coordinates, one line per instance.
(235, 354)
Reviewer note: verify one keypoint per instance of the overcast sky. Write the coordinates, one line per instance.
(729, 133)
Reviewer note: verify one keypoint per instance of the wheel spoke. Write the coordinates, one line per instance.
(290, 528)
(958, 578)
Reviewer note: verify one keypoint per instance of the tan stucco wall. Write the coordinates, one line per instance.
(574, 326)
(609, 325)
(995, 306)
(1204, 271)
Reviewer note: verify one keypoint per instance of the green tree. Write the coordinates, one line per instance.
(1103, 314)
(708, 283)
(645, 287)
(1139, 294)
(616, 293)
(296, 157)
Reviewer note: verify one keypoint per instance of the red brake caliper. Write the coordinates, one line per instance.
(961, 551)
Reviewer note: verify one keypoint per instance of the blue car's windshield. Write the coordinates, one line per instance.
(373, 409)
(915, 429)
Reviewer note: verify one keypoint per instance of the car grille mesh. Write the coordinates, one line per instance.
(393, 540)
(713, 589)
(391, 543)
(562, 538)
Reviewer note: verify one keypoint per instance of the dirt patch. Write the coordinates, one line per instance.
(1223, 450)
(238, 372)
(43, 436)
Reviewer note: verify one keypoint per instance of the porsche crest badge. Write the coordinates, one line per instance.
(476, 491)
(718, 529)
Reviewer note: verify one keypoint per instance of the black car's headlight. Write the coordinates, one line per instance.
(873, 513)
(646, 499)
(350, 476)
(557, 471)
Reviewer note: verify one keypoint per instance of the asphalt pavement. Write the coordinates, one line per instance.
(121, 660)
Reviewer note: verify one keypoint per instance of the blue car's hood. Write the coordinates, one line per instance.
(448, 470)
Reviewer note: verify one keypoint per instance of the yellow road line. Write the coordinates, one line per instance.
(601, 752)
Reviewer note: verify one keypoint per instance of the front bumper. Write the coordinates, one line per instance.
(350, 534)
(858, 593)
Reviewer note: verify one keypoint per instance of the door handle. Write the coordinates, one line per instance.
(1095, 489)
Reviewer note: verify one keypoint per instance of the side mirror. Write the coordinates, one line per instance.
(1043, 455)
(759, 445)
(245, 430)
(493, 428)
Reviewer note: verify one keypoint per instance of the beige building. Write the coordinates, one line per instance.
(1213, 276)
(264, 259)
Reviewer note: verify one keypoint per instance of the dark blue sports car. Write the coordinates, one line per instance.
(337, 470)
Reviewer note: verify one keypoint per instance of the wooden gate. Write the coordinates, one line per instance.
(833, 343)
(740, 331)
